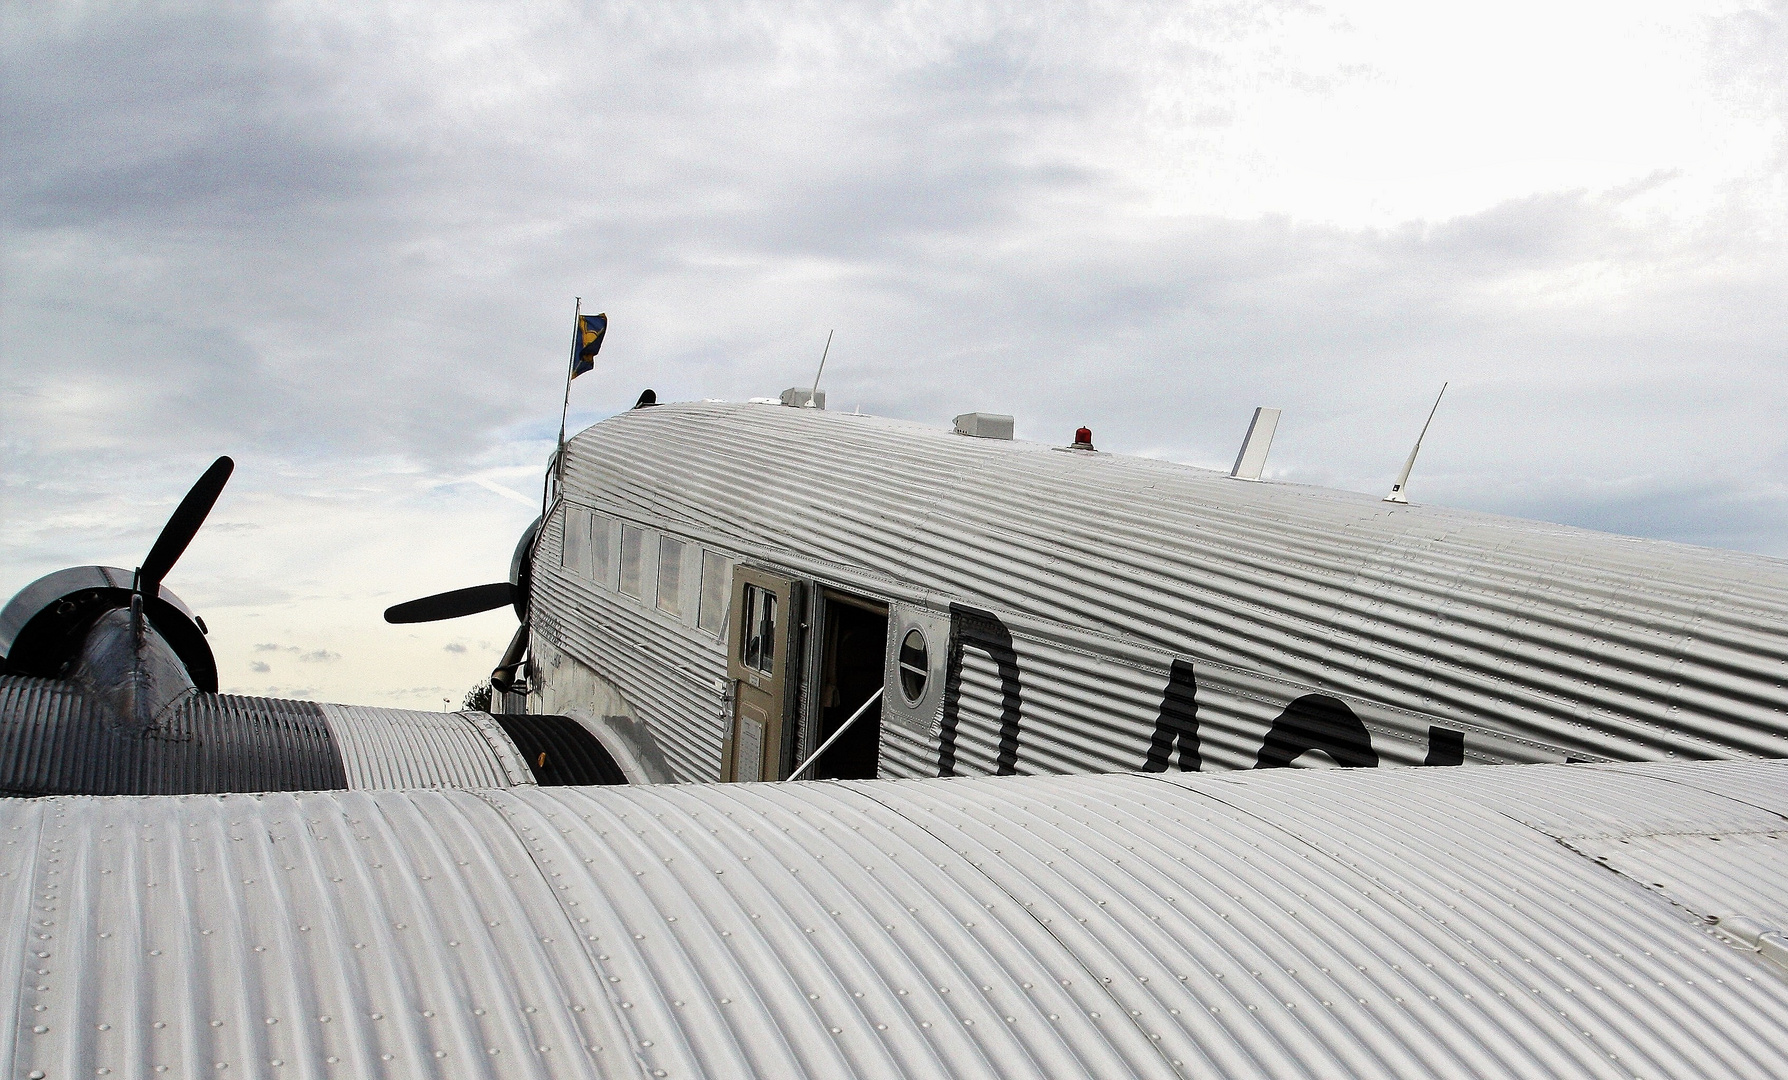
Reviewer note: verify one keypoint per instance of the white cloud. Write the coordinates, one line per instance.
(340, 243)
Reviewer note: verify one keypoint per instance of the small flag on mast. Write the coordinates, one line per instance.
(587, 342)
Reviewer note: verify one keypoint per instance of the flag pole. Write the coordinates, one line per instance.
(565, 409)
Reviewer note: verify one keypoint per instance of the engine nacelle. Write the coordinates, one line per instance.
(43, 628)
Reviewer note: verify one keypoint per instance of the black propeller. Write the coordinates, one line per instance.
(513, 593)
(183, 526)
(451, 605)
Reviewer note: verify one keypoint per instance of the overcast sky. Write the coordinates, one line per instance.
(341, 246)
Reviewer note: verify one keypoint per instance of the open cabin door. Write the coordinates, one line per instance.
(760, 666)
(846, 646)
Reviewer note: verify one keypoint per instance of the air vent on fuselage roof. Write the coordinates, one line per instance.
(984, 425)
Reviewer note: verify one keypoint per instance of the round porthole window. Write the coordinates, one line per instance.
(915, 666)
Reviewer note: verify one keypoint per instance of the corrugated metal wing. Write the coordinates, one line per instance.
(1290, 923)
(408, 748)
(560, 751)
(54, 740)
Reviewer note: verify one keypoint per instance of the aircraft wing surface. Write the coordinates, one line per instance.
(56, 739)
(1540, 921)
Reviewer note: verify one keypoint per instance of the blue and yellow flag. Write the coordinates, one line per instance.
(586, 342)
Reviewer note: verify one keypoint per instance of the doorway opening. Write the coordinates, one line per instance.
(851, 669)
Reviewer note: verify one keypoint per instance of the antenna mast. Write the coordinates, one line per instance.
(1397, 494)
(822, 369)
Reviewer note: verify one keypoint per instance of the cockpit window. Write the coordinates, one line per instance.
(574, 550)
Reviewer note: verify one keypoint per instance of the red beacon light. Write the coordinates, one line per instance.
(1083, 439)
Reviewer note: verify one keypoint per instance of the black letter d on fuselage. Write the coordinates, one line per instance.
(984, 631)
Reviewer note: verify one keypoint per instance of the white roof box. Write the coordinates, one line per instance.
(801, 397)
(984, 425)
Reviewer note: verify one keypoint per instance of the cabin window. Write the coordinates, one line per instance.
(574, 551)
(602, 550)
(915, 666)
(633, 542)
(758, 625)
(670, 576)
(717, 588)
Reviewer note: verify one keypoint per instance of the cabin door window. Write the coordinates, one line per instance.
(759, 631)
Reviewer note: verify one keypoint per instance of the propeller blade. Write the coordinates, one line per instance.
(451, 605)
(183, 526)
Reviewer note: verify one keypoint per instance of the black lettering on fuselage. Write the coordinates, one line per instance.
(1177, 722)
(1311, 722)
(1445, 746)
(1317, 722)
(970, 627)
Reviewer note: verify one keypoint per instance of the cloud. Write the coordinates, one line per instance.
(454, 647)
(354, 274)
(500, 489)
(308, 656)
(260, 667)
(297, 693)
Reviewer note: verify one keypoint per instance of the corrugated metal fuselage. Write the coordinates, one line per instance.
(1089, 612)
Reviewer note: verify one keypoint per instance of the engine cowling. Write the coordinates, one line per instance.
(44, 627)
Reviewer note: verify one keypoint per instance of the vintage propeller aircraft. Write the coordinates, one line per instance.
(764, 590)
(716, 589)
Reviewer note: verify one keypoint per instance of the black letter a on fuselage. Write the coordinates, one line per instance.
(1177, 722)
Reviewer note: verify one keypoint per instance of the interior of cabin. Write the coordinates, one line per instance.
(855, 633)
